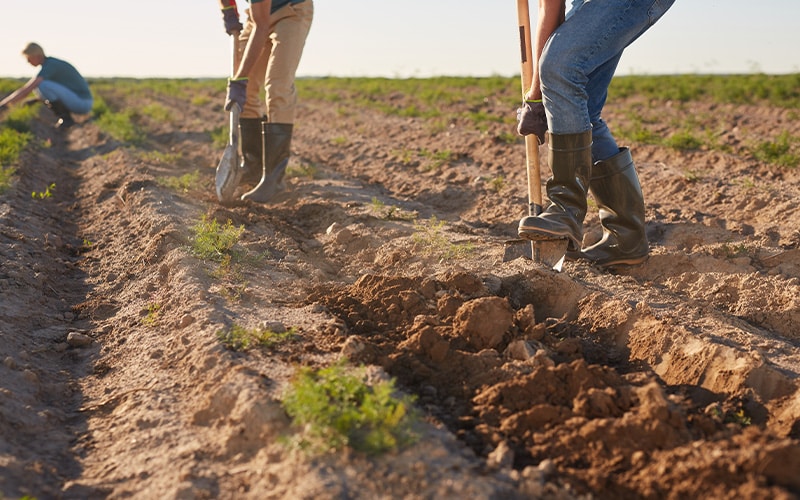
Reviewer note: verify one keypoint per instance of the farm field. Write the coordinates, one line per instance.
(122, 375)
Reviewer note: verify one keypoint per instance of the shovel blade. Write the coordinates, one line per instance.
(228, 171)
(228, 174)
(550, 253)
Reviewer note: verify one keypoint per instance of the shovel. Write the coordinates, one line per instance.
(229, 173)
(551, 253)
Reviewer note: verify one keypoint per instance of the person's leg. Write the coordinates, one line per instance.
(616, 189)
(579, 59)
(55, 92)
(577, 64)
(290, 28)
(253, 114)
(254, 104)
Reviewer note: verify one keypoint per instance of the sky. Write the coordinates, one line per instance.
(414, 38)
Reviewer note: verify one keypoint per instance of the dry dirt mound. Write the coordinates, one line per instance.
(677, 378)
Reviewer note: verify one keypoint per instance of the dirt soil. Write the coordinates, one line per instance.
(672, 379)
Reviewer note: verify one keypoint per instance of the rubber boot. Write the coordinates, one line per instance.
(252, 135)
(64, 116)
(277, 148)
(616, 189)
(570, 157)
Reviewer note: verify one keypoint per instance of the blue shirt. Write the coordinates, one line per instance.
(277, 4)
(56, 70)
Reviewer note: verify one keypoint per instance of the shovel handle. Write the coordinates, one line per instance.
(531, 141)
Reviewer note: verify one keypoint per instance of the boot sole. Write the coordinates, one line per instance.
(628, 261)
(539, 234)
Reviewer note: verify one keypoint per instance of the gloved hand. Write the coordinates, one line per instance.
(231, 18)
(237, 93)
(531, 119)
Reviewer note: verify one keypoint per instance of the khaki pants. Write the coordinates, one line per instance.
(276, 67)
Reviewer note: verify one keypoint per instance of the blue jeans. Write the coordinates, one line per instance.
(579, 61)
(52, 91)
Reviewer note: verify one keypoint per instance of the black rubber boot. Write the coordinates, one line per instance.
(570, 158)
(64, 116)
(277, 148)
(615, 186)
(251, 131)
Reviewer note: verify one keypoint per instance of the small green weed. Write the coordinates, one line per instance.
(159, 157)
(214, 241)
(778, 152)
(730, 251)
(230, 273)
(390, 212)
(430, 235)
(200, 100)
(497, 183)
(739, 418)
(153, 314)
(239, 338)
(157, 112)
(692, 175)
(47, 193)
(219, 137)
(305, 170)
(121, 126)
(336, 408)
(508, 137)
(184, 183)
(684, 140)
(6, 173)
(404, 156)
(436, 158)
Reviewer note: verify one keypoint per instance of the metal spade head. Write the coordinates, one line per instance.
(228, 171)
(550, 253)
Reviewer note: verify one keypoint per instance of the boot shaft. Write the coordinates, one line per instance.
(277, 149)
(252, 149)
(570, 157)
(277, 144)
(618, 193)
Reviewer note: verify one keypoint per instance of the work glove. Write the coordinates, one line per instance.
(531, 119)
(237, 93)
(230, 17)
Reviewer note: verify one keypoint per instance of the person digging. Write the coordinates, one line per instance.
(575, 58)
(272, 41)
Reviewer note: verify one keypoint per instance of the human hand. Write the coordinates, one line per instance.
(230, 16)
(531, 119)
(237, 93)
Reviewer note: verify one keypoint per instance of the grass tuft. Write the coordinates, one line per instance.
(337, 408)
(214, 241)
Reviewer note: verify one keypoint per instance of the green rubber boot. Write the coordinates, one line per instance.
(277, 148)
(252, 150)
(570, 157)
(615, 186)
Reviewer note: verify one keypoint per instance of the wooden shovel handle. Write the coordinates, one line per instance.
(531, 141)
